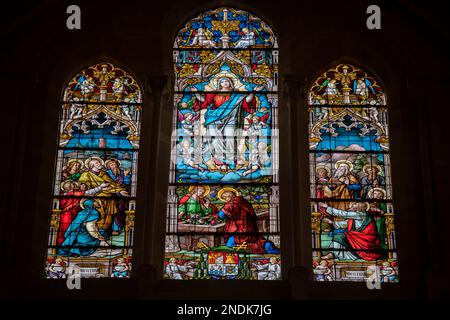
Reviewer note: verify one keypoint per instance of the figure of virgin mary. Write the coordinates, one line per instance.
(222, 118)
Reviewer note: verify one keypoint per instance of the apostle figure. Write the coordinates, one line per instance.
(242, 223)
(119, 175)
(378, 208)
(359, 239)
(343, 185)
(372, 179)
(73, 169)
(95, 177)
(322, 180)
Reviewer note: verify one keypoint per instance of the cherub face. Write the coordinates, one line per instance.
(255, 119)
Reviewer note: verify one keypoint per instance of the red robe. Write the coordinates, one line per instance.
(242, 219)
(366, 242)
(217, 99)
(69, 209)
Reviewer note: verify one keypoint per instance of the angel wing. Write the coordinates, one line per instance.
(369, 85)
(325, 83)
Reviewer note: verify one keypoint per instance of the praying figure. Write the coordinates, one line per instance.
(241, 223)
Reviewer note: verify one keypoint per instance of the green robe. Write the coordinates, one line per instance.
(193, 207)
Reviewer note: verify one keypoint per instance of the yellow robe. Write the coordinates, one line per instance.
(341, 192)
(109, 207)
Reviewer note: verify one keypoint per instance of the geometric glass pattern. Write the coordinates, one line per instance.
(94, 195)
(352, 214)
(222, 214)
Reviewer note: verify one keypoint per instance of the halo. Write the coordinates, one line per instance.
(371, 191)
(75, 160)
(213, 84)
(86, 162)
(207, 189)
(68, 180)
(372, 165)
(338, 163)
(109, 160)
(323, 167)
(366, 203)
(221, 191)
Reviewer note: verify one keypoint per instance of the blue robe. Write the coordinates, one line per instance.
(77, 239)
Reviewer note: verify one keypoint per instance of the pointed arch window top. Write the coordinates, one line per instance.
(345, 84)
(103, 82)
(225, 28)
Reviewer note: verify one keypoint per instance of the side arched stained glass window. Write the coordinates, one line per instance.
(92, 219)
(222, 216)
(351, 191)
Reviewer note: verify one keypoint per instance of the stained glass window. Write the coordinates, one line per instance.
(222, 216)
(350, 177)
(94, 194)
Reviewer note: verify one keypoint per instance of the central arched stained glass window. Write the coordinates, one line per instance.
(222, 216)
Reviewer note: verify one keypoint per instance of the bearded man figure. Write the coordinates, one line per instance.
(343, 184)
(95, 177)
